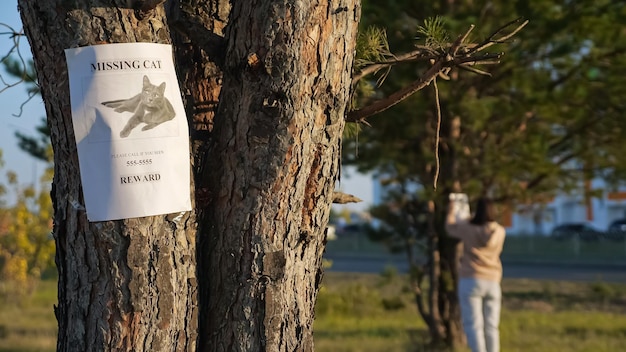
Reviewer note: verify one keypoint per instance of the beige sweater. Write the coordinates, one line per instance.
(482, 246)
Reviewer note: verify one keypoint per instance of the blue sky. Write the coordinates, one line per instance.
(29, 170)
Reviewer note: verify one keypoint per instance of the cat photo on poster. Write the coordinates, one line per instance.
(149, 107)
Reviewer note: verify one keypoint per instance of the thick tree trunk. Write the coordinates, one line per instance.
(267, 180)
(123, 285)
(275, 160)
(200, 80)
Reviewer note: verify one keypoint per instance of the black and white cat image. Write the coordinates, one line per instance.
(149, 107)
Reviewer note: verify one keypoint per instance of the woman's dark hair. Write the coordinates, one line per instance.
(484, 212)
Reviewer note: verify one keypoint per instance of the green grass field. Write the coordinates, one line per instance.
(373, 313)
(28, 325)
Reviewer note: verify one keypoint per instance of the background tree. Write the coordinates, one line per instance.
(24, 71)
(547, 119)
(26, 249)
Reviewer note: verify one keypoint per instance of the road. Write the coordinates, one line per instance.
(539, 271)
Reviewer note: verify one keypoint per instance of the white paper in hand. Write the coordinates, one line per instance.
(460, 204)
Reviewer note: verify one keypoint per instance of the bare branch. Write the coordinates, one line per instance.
(492, 40)
(475, 70)
(344, 198)
(460, 40)
(421, 54)
(23, 76)
(472, 59)
(30, 97)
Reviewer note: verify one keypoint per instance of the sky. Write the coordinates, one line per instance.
(29, 170)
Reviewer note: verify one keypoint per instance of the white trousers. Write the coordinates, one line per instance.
(480, 302)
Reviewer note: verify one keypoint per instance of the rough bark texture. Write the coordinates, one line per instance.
(275, 160)
(200, 81)
(123, 285)
(266, 165)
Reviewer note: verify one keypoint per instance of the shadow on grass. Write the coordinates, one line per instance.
(591, 332)
(564, 300)
(373, 332)
(419, 341)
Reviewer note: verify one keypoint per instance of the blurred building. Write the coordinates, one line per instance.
(540, 219)
(598, 212)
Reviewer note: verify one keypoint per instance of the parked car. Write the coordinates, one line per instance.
(581, 231)
(352, 229)
(617, 230)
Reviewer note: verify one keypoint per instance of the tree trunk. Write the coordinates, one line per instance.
(200, 81)
(455, 336)
(450, 248)
(123, 285)
(444, 317)
(265, 164)
(274, 164)
(436, 322)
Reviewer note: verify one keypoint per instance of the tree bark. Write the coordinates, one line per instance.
(200, 78)
(123, 285)
(265, 165)
(274, 163)
(450, 248)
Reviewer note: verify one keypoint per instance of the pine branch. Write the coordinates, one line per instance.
(493, 40)
(458, 55)
(393, 99)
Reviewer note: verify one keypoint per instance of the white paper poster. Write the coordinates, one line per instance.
(131, 130)
(461, 208)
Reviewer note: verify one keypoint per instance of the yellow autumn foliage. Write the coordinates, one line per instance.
(26, 244)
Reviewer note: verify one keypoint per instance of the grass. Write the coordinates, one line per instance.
(537, 316)
(29, 325)
(375, 312)
(365, 313)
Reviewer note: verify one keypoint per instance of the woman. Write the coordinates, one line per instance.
(480, 274)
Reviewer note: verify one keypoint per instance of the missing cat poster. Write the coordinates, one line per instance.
(131, 130)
